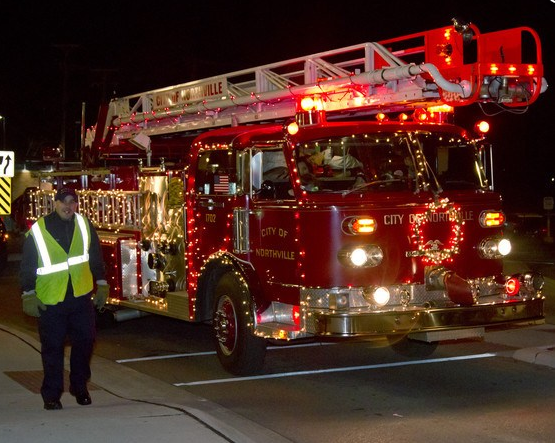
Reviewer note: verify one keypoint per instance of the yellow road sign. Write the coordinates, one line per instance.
(5, 195)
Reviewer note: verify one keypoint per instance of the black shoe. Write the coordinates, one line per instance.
(83, 398)
(51, 405)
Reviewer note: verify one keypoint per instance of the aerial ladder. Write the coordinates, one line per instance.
(454, 65)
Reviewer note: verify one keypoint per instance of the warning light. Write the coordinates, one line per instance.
(420, 115)
(481, 127)
(363, 225)
(292, 128)
(307, 104)
(489, 219)
(311, 104)
(381, 117)
(512, 286)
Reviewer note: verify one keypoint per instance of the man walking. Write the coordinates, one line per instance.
(61, 261)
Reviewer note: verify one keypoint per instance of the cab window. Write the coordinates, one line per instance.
(269, 174)
(216, 172)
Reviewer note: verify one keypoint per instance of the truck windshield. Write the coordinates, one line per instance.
(390, 162)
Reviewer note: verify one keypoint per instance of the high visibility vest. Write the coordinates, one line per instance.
(56, 266)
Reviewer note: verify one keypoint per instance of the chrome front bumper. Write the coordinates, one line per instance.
(418, 319)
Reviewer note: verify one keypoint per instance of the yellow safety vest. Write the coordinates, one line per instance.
(56, 266)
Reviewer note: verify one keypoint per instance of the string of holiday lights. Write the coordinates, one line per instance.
(429, 251)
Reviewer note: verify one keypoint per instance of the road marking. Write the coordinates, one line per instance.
(345, 369)
(163, 357)
(200, 354)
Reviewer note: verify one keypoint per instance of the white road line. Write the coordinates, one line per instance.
(164, 357)
(345, 369)
(200, 354)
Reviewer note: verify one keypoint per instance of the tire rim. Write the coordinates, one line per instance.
(225, 325)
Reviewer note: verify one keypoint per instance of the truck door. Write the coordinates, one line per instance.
(273, 224)
(213, 202)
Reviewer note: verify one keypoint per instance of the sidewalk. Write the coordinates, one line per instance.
(133, 407)
(127, 406)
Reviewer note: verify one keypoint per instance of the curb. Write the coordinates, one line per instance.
(542, 355)
(133, 386)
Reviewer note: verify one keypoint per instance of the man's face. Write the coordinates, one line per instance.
(66, 207)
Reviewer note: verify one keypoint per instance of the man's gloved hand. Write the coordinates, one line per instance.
(31, 304)
(99, 299)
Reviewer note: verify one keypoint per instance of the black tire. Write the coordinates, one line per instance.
(406, 347)
(240, 352)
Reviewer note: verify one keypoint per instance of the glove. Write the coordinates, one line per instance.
(31, 304)
(99, 299)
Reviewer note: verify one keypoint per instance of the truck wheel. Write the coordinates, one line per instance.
(411, 348)
(239, 350)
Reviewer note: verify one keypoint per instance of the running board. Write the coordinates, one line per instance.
(174, 305)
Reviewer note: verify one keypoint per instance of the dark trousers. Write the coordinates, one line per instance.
(72, 319)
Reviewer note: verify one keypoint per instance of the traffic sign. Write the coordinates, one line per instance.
(7, 161)
(5, 195)
(548, 203)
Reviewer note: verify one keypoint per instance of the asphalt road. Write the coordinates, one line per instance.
(357, 392)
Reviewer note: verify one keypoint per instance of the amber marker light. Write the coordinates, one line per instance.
(359, 225)
(364, 226)
(492, 219)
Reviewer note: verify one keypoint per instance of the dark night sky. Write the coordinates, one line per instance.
(128, 47)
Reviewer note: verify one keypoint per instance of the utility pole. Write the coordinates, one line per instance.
(3, 132)
(66, 49)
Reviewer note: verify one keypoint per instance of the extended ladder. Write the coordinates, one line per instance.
(455, 65)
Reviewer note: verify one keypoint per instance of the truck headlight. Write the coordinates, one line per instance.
(494, 247)
(365, 256)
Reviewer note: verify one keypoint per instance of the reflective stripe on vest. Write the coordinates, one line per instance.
(48, 267)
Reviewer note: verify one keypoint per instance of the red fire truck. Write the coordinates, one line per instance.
(323, 197)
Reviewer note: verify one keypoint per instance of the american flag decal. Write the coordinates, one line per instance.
(221, 184)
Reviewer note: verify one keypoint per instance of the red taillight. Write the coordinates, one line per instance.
(481, 127)
(296, 313)
(512, 286)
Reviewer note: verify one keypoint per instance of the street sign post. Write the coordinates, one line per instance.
(548, 206)
(7, 161)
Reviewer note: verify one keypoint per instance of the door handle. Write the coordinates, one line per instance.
(210, 204)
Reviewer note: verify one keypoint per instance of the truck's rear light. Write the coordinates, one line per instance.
(492, 219)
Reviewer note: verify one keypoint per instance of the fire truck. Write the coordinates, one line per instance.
(325, 197)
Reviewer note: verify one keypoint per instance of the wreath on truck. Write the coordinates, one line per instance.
(430, 250)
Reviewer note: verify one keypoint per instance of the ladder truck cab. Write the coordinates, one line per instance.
(323, 197)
